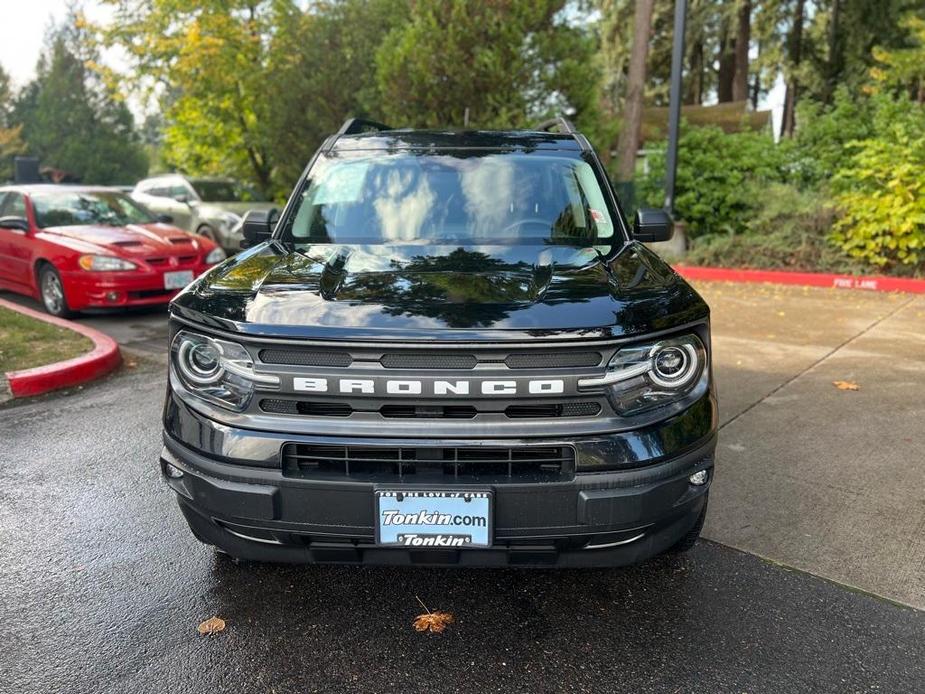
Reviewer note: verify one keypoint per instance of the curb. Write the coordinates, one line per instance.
(875, 283)
(103, 358)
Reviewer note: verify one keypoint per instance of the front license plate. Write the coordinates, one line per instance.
(433, 519)
(178, 279)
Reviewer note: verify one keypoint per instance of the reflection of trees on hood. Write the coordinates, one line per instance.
(464, 289)
(467, 288)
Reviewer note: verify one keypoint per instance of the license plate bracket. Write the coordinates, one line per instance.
(434, 518)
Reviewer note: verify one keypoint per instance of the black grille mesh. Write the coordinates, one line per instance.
(550, 410)
(452, 462)
(302, 358)
(552, 360)
(313, 409)
(399, 360)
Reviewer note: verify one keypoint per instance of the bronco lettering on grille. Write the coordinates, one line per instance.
(369, 386)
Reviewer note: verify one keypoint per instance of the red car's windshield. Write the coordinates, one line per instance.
(83, 208)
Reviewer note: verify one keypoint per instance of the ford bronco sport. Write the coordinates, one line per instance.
(449, 348)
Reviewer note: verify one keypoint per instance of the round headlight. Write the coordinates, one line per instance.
(200, 362)
(673, 365)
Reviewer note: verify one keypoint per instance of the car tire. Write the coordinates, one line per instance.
(208, 232)
(688, 541)
(51, 292)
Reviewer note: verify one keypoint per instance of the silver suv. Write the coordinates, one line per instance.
(212, 207)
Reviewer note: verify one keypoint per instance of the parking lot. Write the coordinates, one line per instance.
(812, 577)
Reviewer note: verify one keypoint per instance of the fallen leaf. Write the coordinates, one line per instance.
(211, 626)
(846, 385)
(434, 622)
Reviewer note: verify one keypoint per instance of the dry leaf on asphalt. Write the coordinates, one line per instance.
(434, 622)
(846, 385)
(211, 626)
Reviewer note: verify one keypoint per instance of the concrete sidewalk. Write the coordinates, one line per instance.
(821, 479)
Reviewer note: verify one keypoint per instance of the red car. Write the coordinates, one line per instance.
(77, 247)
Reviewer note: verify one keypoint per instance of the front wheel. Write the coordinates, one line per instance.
(52, 291)
(208, 232)
(688, 541)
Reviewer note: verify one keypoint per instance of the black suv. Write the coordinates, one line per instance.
(449, 348)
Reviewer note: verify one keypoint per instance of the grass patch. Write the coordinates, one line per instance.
(27, 342)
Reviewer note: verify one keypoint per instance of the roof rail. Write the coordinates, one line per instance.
(562, 124)
(353, 126)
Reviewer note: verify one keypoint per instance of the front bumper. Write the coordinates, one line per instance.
(609, 518)
(121, 289)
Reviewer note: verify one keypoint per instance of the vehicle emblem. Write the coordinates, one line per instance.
(173, 261)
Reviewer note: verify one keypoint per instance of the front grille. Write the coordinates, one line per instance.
(552, 360)
(400, 360)
(568, 409)
(452, 463)
(161, 261)
(429, 411)
(313, 409)
(295, 357)
(402, 411)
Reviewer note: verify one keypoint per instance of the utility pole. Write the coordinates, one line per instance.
(674, 105)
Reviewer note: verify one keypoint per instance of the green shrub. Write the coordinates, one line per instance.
(881, 191)
(713, 192)
(821, 146)
(788, 231)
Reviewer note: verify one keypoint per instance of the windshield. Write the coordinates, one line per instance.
(82, 208)
(225, 191)
(459, 198)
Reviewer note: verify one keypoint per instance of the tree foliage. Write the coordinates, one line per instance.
(11, 142)
(71, 120)
(882, 190)
(209, 62)
(716, 172)
(508, 62)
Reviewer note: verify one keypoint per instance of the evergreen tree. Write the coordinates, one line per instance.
(71, 120)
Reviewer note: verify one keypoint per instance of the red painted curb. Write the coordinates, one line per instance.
(103, 358)
(875, 283)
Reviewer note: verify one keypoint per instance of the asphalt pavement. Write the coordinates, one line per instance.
(102, 586)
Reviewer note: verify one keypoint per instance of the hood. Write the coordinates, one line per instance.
(132, 240)
(476, 292)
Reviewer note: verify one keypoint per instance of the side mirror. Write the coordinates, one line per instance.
(15, 223)
(652, 225)
(183, 198)
(257, 226)
(164, 219)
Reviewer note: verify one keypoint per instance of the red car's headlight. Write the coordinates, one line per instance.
(105, 263)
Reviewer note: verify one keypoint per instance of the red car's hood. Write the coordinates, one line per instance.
(134, 239)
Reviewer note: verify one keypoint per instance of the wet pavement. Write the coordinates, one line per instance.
(102, 586)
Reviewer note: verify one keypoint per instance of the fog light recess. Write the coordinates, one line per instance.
(173, 472)
(699, 478)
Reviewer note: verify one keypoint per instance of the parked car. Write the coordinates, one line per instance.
(451, 349)
(211, 207)
(75, 247)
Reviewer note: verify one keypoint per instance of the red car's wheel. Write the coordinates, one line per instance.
(52, 291)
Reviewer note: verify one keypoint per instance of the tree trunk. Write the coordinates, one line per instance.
(694, 90)
(756, 85)
(835, 63)
(635, 88)
(796, 47)
(727, 65)
(743, 36)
